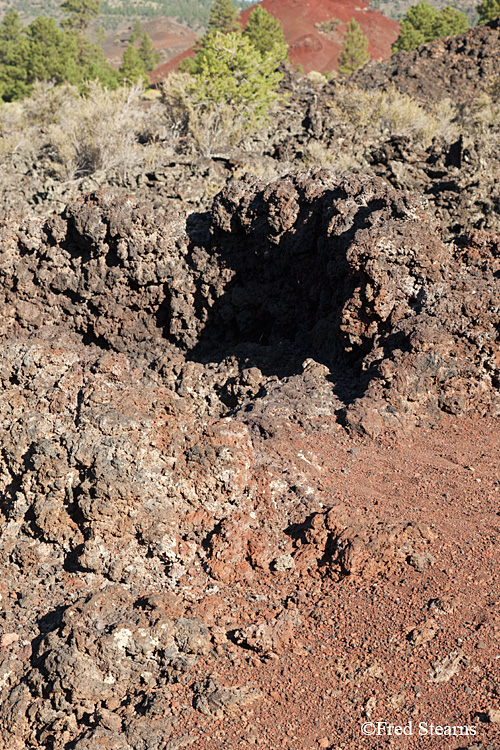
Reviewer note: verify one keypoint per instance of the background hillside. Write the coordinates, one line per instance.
(116, 13)
(396, 9)
(194, 13)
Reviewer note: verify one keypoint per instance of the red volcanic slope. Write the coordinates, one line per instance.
(315, 50)
(310, 47)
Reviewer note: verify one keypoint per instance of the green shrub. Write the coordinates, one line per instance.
(488, 10)
(229, 91)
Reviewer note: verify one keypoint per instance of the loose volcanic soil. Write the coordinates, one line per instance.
(408, 644)
(248, 473)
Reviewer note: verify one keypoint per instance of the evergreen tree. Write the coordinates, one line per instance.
(355, 51)
(448, 22)
(423, 23)
(266, 34)
(52, 53)
(94, 66)
(13, 55)
(132, 67)
(489, 10)
(223, 18)
(81, 13)
(149, 56)
(137, 32)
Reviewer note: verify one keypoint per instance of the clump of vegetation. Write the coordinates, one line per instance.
(328, 27)
(390, 112)
(266, 34)
(228, 88)
(423, 23)
(230, 91)
(57, 126)
(488, 10)
(354, 53)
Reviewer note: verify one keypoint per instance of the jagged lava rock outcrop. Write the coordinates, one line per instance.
(459, 68)
(145, 362)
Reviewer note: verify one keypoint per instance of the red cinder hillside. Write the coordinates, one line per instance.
(312, 44)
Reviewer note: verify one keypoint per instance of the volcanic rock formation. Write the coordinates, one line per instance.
(144, 364)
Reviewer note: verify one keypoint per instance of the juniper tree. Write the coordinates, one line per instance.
(355, 51)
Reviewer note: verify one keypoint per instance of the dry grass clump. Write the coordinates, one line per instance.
(72, 136)
(316, 156)
(392, 113)
(483, 116)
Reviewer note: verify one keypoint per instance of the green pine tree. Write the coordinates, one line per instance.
(132, 68)
(489, 10)
(52, 53)
(266, 34)
(355, 51)
(223, 17)
(229, 70)
(81, 13)
(423, 23)
(13, 57)
(149, 56)
(137, 32)
(449, 21)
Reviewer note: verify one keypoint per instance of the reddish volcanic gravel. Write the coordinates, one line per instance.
(409, 647)
(315, 50)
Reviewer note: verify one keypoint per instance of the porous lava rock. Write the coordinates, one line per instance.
(146, 364)
(459, 68)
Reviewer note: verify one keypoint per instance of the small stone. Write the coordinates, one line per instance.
(482, 645)
(282, 563)
(8, 639)
(494, 715)
(421, 560)
(324, 742)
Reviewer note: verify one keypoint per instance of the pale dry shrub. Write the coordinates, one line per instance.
(13, 134)
(76, 135)
(317, 156)
(483, 116)
(392, 113)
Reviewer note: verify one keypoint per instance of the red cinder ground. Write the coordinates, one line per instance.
(352, 659)
(315, 50)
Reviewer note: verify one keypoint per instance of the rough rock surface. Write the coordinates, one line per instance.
(459, 67)
(156, 374)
